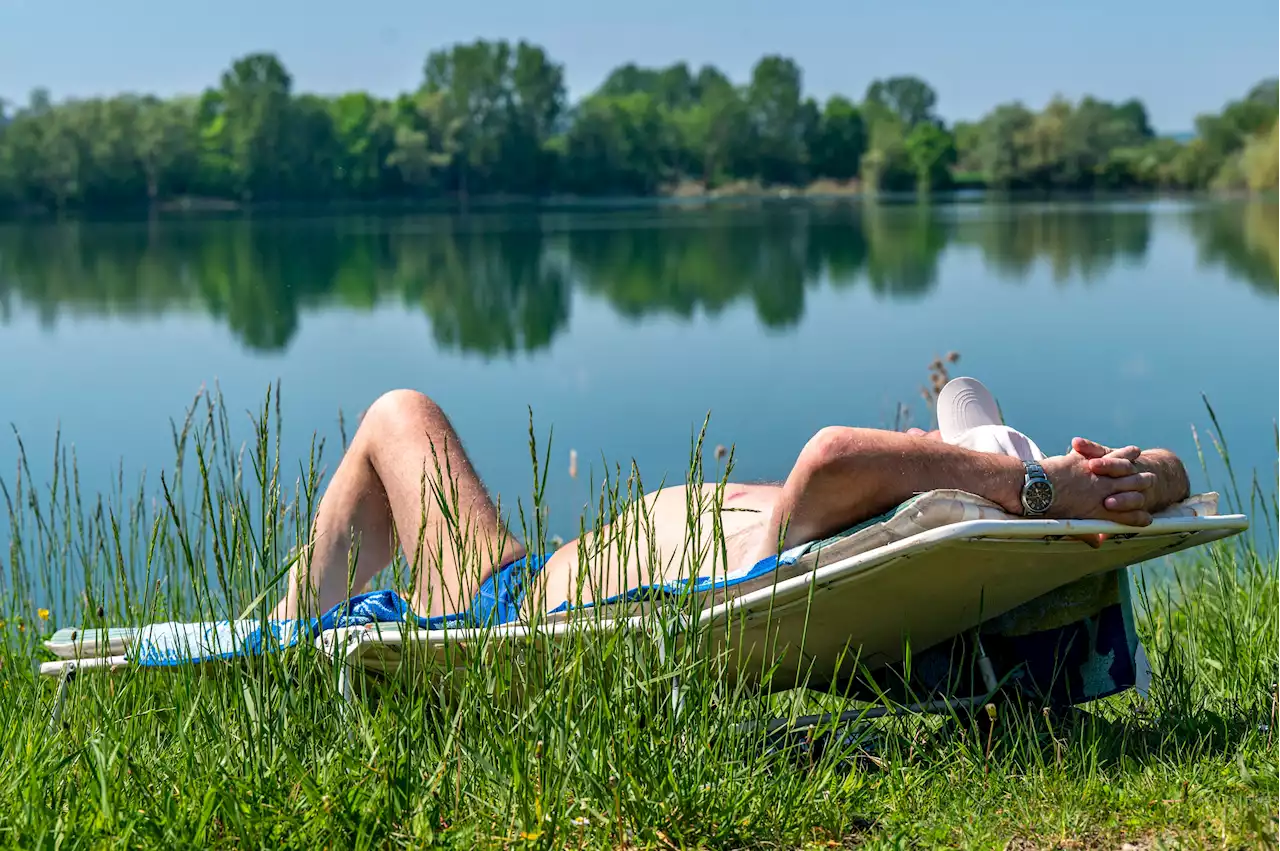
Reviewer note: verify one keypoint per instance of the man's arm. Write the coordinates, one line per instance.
(845, 475)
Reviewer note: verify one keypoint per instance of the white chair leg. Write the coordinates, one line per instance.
(340, 653)
(1142, 678)
(344, 687)
(985, 669)
(64, 684)
(669, 636)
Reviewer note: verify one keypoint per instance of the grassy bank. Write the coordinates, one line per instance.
(583, 751)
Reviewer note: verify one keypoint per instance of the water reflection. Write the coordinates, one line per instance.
(1078, 242)
(1245, 241)
(496, 285)
(484, 291)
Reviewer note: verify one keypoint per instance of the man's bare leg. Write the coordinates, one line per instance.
(405, 471)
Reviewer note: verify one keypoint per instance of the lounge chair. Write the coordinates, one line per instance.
(942, 565)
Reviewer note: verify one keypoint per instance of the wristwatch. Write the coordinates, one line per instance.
(1037, 490)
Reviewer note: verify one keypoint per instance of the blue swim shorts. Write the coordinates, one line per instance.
(500, 596)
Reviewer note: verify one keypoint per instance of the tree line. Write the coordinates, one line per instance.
(501, 283)
(492, 118)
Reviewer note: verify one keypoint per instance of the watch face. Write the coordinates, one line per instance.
(1037, 497)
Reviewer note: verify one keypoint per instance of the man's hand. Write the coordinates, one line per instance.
(1104, 461)
(1171, 482)
(1092, 449)
(1094, 482)
(1119, 463)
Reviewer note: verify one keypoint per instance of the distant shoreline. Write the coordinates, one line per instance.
(685, 195)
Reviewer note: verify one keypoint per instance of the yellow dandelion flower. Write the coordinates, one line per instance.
(43, 613)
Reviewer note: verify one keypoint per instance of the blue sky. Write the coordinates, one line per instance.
(1181, 57)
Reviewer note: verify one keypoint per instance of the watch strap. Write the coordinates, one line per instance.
(1033, 473)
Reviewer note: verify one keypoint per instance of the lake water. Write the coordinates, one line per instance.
(623, 328)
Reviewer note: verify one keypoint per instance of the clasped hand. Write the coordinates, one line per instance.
(1097, 482)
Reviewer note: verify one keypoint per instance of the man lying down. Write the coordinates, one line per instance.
(388, 488)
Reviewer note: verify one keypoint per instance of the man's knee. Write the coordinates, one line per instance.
(396, 410)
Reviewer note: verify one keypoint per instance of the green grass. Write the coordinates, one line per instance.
(575, 747)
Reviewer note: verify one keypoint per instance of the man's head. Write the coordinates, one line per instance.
(968, 416)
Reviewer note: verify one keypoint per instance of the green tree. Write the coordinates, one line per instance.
(1153, 164)
(932, 152)
(46, 152)
(1265, 92)
(1043, 144)
(470, 80)
(117, 155)
(628, 79)
(537, 104)
(675, 87)
(968, 136)
(1132, 115)
(714, 133)
(312, 160)
(1194, 165)
(255, 110)
(1091, 132)
(780, 120)
(841, 140)
(618, 144)
(886, 165)
(1003, 150)
(8, 187)
(1071, 146)
(506, 103)
(1261, 166)
(1226, 136)
(365, 135)
(427, 141)
(166, 145)
(215, 171)
(910, 99)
